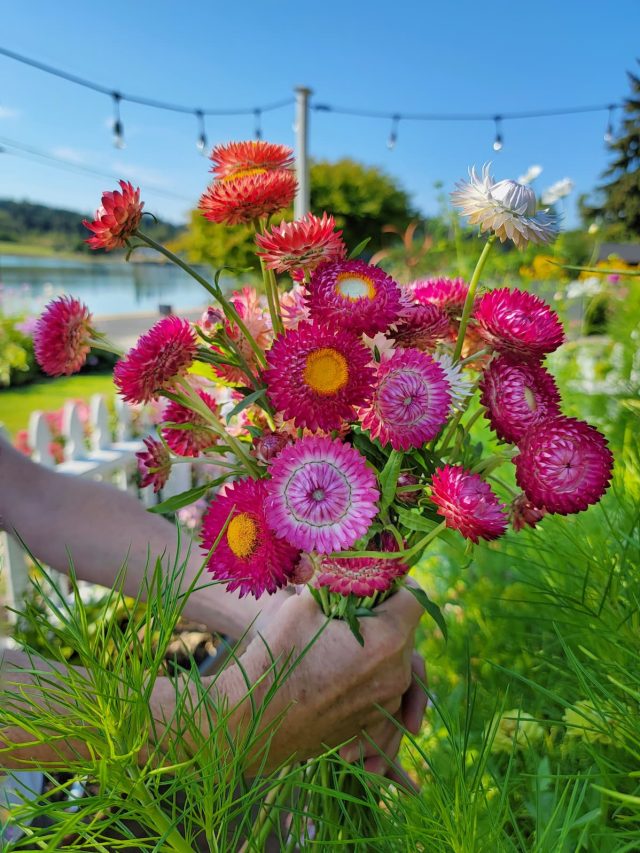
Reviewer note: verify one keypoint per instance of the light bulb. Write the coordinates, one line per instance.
(497, 144)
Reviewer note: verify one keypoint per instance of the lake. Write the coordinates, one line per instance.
(106, 286)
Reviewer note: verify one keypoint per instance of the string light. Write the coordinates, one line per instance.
(258, 123)
(608, 134)
(393, 135)
(201, 144)
(118, 130)
(498, 141)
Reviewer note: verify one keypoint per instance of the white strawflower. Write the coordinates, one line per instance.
(556, 191)
(505, 207)
(459, 384)
(531, 174)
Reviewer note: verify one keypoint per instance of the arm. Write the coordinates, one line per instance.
(101, 528)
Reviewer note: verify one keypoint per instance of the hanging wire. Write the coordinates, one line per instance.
(257, 113)
(393, 134)
(201, 143)
(608, 134)
(118, 130)
(498, 142)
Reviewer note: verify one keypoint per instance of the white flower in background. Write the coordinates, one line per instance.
(530, 175)
(593, 228)
(556, 191)
(459, 383)
(505, 207)
(591, 286)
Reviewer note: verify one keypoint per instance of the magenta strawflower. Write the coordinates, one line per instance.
(248, 557)
(160, 357)
(524, 514)
(317, 375)
(356, 295)
(268, 445)
(410, 401)
(564, 465)
(361, 576)
(322, 495)
(518, 395)
(198, 436)
(154, 464)
(518, 322)
(421, 326)
(448, 294)
(62, 336)
(467, 503)
(301, 246)
(117, 219)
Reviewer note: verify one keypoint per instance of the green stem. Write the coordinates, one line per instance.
(397, 555)
(227, 307)
(160, 820)
(468, 303)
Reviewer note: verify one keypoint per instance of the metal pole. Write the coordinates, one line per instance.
(302, 201)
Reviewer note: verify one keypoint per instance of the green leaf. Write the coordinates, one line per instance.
(358, 249)
(431, 607)
(230, 269)
(388, 478)
(183, 499)
(249, 400)
(352, 622)
(415, 521)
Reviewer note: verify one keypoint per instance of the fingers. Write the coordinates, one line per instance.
(415, 700)
(403, 607)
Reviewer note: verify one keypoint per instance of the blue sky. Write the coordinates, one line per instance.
(408, 56)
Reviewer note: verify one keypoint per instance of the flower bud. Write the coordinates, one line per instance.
(524, 513)
(269, 445)
(405, 479)
(211, 318)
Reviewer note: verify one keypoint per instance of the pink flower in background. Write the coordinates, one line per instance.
(199, 436)
(361, 576)
(154, 464)
(237, 157)
(28, 326)
(190, 516)
(293, 305)
(160, 357)
(355, 295)
(62, 337)
(467, 503)
(252, 309)
(249, 557)
(518, 322)
(524, 514)
(564, 465)
(421, 327)
(518, 395)
(300, 246)
(410, 401)
(321, 495)
(446, 293)
(21, 442)
(117, 219)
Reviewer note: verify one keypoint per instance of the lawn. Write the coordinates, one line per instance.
(17, 404)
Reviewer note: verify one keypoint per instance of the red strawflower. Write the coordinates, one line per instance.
(62, 337)
(518, 395)
(198, 436)
(154, 464)
(361, 576)
(161, 356)
(468, 503)
(564, 465)
(299, 247)
(524, 514)
(248, 556)
(421, 327)
(257, 193)
(448, 294)
(518, 322)
(236, 157)
(117, 218)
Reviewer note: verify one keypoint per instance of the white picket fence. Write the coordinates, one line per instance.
(110, 455)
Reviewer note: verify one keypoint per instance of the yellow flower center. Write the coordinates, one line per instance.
(354, 287)
(326, 371)
(243, 173)
(530, 399)
(242, 535)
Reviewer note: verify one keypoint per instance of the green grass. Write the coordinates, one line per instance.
(17, 404)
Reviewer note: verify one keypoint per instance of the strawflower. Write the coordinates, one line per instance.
(356, 295)
(361, 576)
(322, 495)
(198, 436)
(317, 375)
(518, 322)
(301, 246)
(160, 357)
(564, 465)
(421, 327)
(524, 514)
(448, 294)
(467, 503)
(117, 219)
(268, 445)
(154, 464)
(459, 384)
(62, 336)
(505, 207)
(410, 401)
(249, 557)
(238, 157)
(252, 310)
(257, 193)
(293, 306)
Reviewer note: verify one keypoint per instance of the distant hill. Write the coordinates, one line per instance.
(60, 230)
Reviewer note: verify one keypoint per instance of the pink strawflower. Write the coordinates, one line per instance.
(269, 445)
(301, 246)
(356, 295)
(322, 495)
(211, 320)
(199, 436)
(518, 322)
(410, 401)
(421, 327)
(448, 294)
(238, 157)
(251, 195)
(252, 309)
(117, 219)
(361, 576)
(317, 375)
(410, 482)
(249, 557)
(518, 395)
(160, 357)
(564, 465)
(294, 308)
(62, 337)
(524, 514)
(154, 464)
(468, 503)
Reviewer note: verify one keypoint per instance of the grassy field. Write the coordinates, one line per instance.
(17, 404)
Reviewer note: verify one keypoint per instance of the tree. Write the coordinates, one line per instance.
(618, 202)
(363, 200)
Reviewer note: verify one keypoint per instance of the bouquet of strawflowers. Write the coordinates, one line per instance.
(339, 406)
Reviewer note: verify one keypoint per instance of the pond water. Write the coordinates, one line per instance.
(107, 287)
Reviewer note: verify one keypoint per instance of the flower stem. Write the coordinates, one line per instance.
(172, 837)
(270, 287)
(420, 545)
(468, 303)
